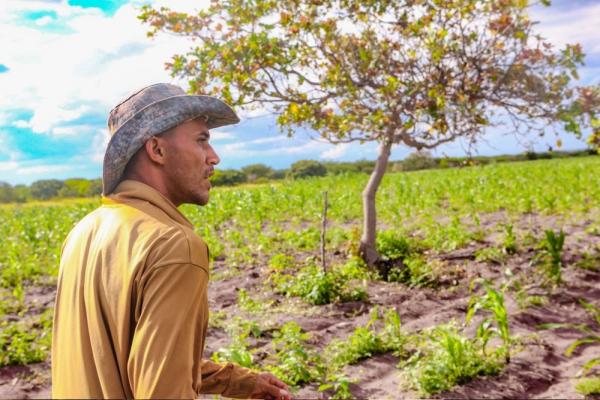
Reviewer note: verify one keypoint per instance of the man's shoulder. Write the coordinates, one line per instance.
(179, 245)
(165, 242)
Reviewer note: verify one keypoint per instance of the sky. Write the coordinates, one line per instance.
(65, 63)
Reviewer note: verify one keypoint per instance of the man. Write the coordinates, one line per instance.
(131, 306)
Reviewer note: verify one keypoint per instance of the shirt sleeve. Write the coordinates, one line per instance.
(165, 360)
(168, 339)
(227, 379)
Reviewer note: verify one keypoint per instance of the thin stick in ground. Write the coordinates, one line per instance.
(323, 232)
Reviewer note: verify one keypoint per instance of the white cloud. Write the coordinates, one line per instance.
(99, 144)
(72, 130)
(218, 135)
(21, 124)
(8, 165)
(267, 140)
(43, 21)
(575, 25)
(42, 169)
(335, 152)
(6, 149)
(95, 62)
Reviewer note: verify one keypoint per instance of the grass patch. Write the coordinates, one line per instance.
(445, 358)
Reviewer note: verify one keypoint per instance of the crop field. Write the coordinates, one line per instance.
(492, 287)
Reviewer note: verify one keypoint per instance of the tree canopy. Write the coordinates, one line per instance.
(418, 72)
(414, 72)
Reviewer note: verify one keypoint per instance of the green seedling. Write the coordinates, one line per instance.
(509, 243)
(551, 248)
(494, 325)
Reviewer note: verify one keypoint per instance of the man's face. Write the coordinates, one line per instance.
(190, 161)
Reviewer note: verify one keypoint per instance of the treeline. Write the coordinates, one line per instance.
(259, 173)
(46, 189)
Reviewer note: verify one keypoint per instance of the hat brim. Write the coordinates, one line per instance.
(154, 119)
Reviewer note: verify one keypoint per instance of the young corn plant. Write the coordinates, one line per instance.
(509, 243)
(591, 335)
(494, 325)
(551, 248)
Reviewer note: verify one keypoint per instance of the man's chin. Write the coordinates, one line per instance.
(201, 200)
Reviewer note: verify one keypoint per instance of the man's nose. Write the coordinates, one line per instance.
(213, 157)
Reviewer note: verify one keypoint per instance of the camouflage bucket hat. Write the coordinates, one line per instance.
(149, 112)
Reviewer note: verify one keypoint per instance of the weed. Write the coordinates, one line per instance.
(446, 358)
(340, 384)
(237, 351)
(22, 343)
(294, 363)
(491, 254)
(392, 247)
(449, 237)
(281, 262)
(590, 262)
(588, 386)
(417, 271)
(366, 341)
(318, 287)
(216, 319)
(247, 303)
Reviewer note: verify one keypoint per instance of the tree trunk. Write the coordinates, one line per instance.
(368, 249)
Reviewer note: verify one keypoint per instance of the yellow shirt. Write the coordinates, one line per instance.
(131, 307)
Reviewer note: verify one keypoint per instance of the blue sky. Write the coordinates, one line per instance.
(64, 64)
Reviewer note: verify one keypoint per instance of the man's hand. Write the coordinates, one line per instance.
(270, 388)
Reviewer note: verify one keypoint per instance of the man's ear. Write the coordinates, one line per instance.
(155, 149)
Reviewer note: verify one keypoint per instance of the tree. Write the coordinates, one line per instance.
(21, 193)
(75, 187)
(306, 168)
(6, 192)
(256, 171)
(418, 160)
(46, 188)
(95, 188)
(228, 177)
(413, 72)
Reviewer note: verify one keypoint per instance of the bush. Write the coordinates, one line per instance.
(419, 160)
(306, 168)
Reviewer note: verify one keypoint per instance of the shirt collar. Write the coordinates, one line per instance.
(130, 191)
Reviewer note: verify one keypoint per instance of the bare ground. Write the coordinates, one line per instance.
(538, 367)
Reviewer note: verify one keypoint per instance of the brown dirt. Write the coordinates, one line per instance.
(538, 368)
